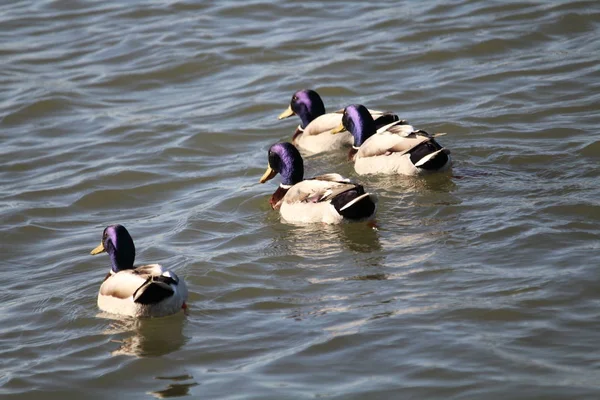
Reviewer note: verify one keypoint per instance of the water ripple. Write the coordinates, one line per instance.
(158, 115)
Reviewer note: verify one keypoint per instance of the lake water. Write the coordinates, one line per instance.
(158, 114)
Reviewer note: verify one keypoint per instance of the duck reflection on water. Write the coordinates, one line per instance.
(151, 337)
(325, 240)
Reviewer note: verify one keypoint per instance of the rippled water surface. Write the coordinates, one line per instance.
(158, 114)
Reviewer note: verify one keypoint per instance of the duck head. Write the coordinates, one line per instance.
(307, 105)
(284, 159)
(117, 242)
(359, 122)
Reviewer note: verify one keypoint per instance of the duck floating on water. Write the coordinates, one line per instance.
(313, 135)
(144, 291)
(328, 198)
(397, 148)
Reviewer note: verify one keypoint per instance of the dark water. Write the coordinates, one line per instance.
(157, 115)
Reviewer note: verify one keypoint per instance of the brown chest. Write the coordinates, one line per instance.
(277, 197)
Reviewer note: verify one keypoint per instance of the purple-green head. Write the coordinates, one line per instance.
(307, 105)
(284, 159)
(117, 242)
(358, 121)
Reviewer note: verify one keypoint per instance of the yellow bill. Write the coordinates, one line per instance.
(98, 250)
(287, 113)
(338, 129)
(269, 174)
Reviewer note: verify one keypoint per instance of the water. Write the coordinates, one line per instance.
(157, 115)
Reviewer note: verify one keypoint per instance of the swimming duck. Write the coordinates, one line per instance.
(314, 132)
(145, 291)
(396, 148)
(328, 198)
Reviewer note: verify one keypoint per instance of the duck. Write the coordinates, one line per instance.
(396, 148)
(328, 198)
(313, 135)
(144, 291)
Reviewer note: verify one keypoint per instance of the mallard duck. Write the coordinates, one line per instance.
(314, 132)
(397, 148)
(145, 291)
(328, 198)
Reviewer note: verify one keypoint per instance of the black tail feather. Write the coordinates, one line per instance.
(385, 119)
(154, 290)
(361, 209)
(426, 148)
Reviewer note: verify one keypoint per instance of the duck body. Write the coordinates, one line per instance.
(144, 291)
(401, 150)
(395, 149)
(329, 198)
(314, 134)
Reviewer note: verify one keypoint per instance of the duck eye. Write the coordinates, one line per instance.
(294, 98)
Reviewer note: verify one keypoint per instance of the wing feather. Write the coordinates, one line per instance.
(393, 138)
(316, 190)
(332, 177)
(124, 284)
